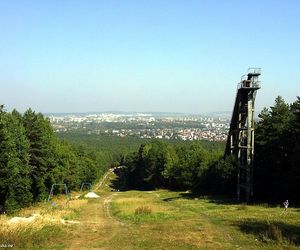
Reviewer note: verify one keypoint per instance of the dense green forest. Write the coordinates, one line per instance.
(113, 146)
(32, 159)
(277, 159)
(193, 166)
(117, 147)
(187, 166)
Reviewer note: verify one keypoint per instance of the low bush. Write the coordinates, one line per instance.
(274, 233)
(143, 210)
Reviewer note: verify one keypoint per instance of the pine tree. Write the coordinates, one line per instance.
(14, 158)
(42, 152)
(293, 152)
(272, 145)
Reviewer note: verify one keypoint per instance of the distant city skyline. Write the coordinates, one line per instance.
(145, 56)
(144, 126)
(149, 113)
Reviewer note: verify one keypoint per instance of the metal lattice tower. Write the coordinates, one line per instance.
(240, 141)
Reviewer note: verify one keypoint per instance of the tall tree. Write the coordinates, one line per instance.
(271, 159)
(42, 152)
(14, 158)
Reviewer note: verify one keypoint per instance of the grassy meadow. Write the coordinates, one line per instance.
(174, 220)
(159, 219)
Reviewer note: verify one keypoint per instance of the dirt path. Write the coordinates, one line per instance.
(107, 212)
(104, 179)
(174, 222)
(96, 226)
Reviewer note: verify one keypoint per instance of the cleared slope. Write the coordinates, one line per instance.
(163, 219)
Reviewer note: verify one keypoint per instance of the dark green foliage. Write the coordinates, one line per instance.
(42, 152)
(14, 158)
(187, 166)
(169, 163)
(32, 159)
(220, 178)
(277, 171)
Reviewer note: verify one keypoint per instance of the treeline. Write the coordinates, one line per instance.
(116, 148)
(32, 159)
(277, 159)
(187, 166)
(276, 164)
(113, 147)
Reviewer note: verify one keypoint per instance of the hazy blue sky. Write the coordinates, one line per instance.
(145, 55)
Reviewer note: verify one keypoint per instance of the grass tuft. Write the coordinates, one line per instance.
(274, 233)
(143, 210)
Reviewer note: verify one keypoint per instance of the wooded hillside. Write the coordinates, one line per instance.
(32, 159)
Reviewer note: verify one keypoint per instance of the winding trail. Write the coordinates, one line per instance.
(176, 223)
(96, 225)
(106, 208)
(104, 179)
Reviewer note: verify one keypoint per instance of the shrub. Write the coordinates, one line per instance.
(274, 233)
(143, 210)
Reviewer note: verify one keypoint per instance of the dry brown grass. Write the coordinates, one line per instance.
(48, 221)
(128, 205)
(143, 210)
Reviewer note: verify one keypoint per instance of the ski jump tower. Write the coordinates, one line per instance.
(240, 141)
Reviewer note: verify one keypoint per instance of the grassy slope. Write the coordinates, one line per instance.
(176, 221)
